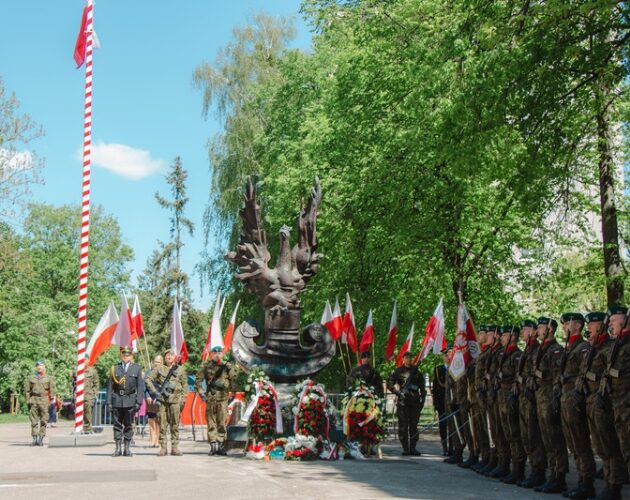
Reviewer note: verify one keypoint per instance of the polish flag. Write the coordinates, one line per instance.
(124, 331)
(215, 326)
(136, 318)
(227, 336)
(391, 337)
(80, 46)
(349, 335)
(178, 344)
(367, 339)
(465, 346)
(337, 320)
(328, 321)
(101, 339)
(434, 334)
(406, 347)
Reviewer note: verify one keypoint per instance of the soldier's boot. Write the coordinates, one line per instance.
(481, 463)
(558, 485)
(405, 447)
(501, 470)
(473, 459)
(456, 458)
(584, 489)
(517, 474)
(117, 451)
(412, 448)
(35, 440)
(163, 451)
(221, 449)
(481, 466)
(127, 450)
(175, 451)
(41, 440)
(444, 449)
(494, 460)
(535, 479)
(610, 492)
(213, 449)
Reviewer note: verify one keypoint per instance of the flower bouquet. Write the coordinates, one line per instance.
(263, 416)
(310, 410)
(302, 448)
(362, 419)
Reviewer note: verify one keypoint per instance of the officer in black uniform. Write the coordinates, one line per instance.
(411, 396)
(367, 374)
(125, 390)
(438, 393)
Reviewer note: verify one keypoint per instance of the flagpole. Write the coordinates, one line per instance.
(146, 349)
(343, 358)
(85, 225)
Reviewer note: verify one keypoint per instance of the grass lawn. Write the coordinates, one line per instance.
(5, 418)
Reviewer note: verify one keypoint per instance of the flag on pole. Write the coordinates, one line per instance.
(123, 334)
(329, 322)
(367, 339)
(215, 326)
(101, 339)
(465, 346)
(136, 318)
(349, 335)
(178, 344)
(406, 347)
(337, 320)
(227, 336)
(80, 46)
(434, 334)
(391, 336)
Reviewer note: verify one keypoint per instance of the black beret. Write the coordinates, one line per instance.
(528, 322)
(407, 353)
(595, 316)
(483, 328)
(543, 320)
(510, 329)
(566, 317)
(365, 354)
(617, 309)
(492, 328)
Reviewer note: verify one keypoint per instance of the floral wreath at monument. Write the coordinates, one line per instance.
(263, 416)
(362, 419)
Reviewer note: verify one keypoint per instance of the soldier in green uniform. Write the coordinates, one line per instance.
(506, 376)
(463, 391)
(91, 388)
(528, 416)
(366, 373)
(478, 406)
(220, 378)
(39, 390)
(546, 371)
(600, 422)
(170, 395)
(574, 420)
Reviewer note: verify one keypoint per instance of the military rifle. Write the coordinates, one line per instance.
(557, 390)
(579, 395)
(165, 389)
(540, 353)
(604, 385)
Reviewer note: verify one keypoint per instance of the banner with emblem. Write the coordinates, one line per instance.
(465, 346)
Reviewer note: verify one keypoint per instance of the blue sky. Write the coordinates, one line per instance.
(145, 109)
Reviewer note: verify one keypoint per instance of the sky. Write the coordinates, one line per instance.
(145, 110)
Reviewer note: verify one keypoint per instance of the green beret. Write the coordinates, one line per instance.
(543, 320)
(566, 317)
(125, 350)
(528, 322)
(617, 309)
(483, 328)
(492, 328)
(217, 348)
(595, 316)
(510, 329)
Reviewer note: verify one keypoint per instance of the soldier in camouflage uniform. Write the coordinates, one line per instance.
(220, 378)
(506, 376)
(528, 416)
(478, 407)
(465, 389)
(39, 390)
(600, 422)
(454, 421)
(574, 420)
(546, 371)
(171, 396)
(91, 388)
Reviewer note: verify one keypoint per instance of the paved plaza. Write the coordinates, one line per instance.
(52, 473)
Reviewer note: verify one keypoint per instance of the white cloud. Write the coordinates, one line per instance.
(132, 163)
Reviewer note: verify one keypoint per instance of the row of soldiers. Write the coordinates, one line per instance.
(514, 406)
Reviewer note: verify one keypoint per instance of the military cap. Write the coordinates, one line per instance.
(167, 351)
(407, 353)
(483, 328)
(566, 317)
(510, 329)
(617, 309)
(492, 328)
(543, 320)
(125, 350)
(40, 362)
(217, 348)
(595, 316)
(365, 354)
(528, 322)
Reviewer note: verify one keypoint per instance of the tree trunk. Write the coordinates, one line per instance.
(610, 231)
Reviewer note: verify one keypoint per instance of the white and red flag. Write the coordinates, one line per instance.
(178, 344)
(214, 330)
(434, 339)
(337, 320)
(406, 347)
(137, 324)
(465, 346)
(101, 339)
(124, 331)
(229, 331)
(80, 46)
(328, 321)
(367, 339)
(391, 336)
(349, 335)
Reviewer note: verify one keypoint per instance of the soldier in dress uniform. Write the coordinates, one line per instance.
(506, 376)
(408, 384)
(438, 394)
(39, 391)
(528, 415)
(463, 390)
(170, 395)
(478, 406)
(220, 378)
(366, 373)
(546, 371)
(125, 391)
(91, 387)
(574, 420)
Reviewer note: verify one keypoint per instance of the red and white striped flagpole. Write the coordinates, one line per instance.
(85, 225)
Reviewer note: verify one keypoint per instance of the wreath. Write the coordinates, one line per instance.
(362, 418)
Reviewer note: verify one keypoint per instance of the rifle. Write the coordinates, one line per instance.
(487, 374)
(604, 385)
(539, 355)
(214, 385)
(165, 389)
(579, 395)
(406, 388)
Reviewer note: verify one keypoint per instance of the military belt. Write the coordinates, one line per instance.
(618, 382)
(568, 386)
(592, 376)
(539, 374)
(615, 373)
(122, 392)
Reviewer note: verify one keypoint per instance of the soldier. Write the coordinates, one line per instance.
(367, 374)
(506, 376)
(220, 378)
(463, 391)
(478, 407)
(546, 370)
(438, 389)
(125, 391)
(408, 384)
(39, 390)
(92, 386)
(600, 422)
(614, 389)
(170, 395)
(528, 415)
(574, 420)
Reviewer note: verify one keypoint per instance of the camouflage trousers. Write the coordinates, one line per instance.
(530, 433)
(620, 397)
(498, 435)
(551, 432)
(479, 427)
(38, 413)
(576, 433)
(216, 415)
(511, 427)
(168, 418)
(88, 411)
